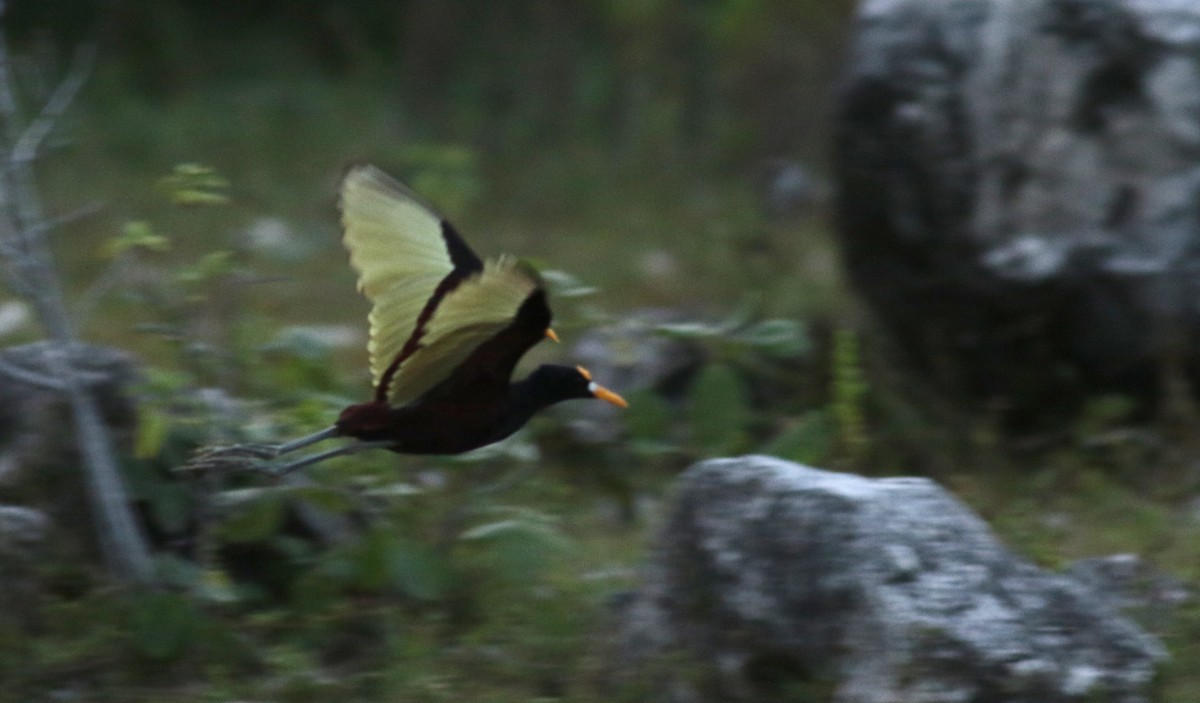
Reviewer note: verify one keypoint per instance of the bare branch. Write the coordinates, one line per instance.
(9, 110)
(24, 235)
(31, 377)
(10, 256)
(42, 380)
(80, 213)
(27, 145)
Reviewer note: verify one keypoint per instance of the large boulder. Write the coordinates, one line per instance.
(1019, 194)
(769, 575)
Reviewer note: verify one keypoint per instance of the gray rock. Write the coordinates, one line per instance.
(790, 188)
(768, 572)
(23, 534)
(1136, 588)
(22, 531)
(1019, 193)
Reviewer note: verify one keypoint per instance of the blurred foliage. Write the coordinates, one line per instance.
(717, 80)
(454, 543)
(463, 577)
(617, 139)
(743, 356)
(849, 389)
(194, 184)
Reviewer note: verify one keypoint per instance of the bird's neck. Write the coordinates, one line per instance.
(528, 396)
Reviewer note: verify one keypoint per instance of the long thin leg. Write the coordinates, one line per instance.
(322, 456)
(327, 433)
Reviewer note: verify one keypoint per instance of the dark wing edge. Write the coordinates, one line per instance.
(461, 254)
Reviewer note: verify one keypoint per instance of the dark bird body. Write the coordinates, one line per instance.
(458, 423)
(476, 404)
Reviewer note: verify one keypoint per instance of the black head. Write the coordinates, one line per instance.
(550, 384)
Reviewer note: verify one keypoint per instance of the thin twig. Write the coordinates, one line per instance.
(80, 213)
(31, 377)
(42, 380)
(26, 148)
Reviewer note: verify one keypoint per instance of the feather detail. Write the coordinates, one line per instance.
(474, 311)
(433, 300)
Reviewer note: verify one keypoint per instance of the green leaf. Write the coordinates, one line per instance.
(384, 560)
(648, 420)
(212, 265)
(695, 329)
(539, 530)
(191, 196)
(193, 184)
(447, 157)
(689, 330)
(564, 285)
(416, 569)
(153, 427)
(215, 586)
(171, 507)
(141, 478)
(849, 393)
(518, 448)
(783, 339)
(301, 342)
(366, 566)
(211, 585)
(254, 514)
(175, 571)
(807, 440)
(136, 235)
(717, 410)
(163, 625)
(164, 382)
(321, 497)
(516, 548)
(397, 489)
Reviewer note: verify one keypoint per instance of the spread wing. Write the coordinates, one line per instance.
(474, 312)
(402, 250)
(433, 300)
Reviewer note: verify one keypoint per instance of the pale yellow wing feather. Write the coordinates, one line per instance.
(393, 318)
(479, 308)
(396, 247)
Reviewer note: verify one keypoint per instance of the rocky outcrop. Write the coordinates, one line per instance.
(770, 575)
(1019, 194)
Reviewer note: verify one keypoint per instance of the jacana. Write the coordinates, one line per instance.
(446, 331)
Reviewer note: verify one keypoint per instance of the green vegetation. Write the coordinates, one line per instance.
(629, 164)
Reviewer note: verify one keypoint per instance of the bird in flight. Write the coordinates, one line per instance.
(446, 331)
